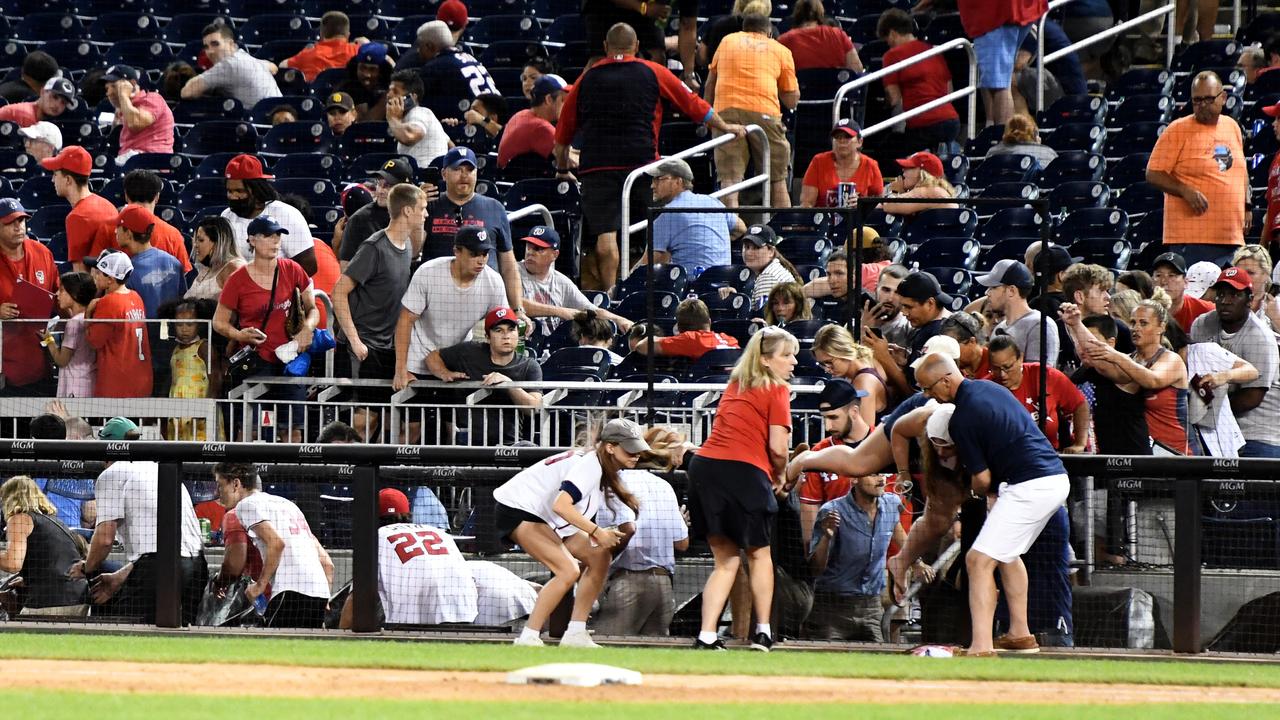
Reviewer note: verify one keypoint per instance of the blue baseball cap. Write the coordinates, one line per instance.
(548, 84)
(372, 53)
(544, 236)
(474, 238)
(10, 210)
(458, 155)
(265, 225)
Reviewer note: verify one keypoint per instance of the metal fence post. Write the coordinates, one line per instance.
(364, 550)
(1186, 565)
(168, 570)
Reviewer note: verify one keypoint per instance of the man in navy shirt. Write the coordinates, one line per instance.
(999, 445)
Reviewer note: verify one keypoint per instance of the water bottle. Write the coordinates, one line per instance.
(260, 604)
(697, 270)
(521, 328)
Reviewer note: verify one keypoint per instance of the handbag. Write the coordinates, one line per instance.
(246, 362)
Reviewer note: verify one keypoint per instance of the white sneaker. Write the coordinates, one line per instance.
(580, 639)
(523, 641)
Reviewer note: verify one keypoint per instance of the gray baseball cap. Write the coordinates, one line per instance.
(678, 168)
(626, 434)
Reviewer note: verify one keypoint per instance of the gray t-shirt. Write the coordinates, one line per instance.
(446, 313)
(1257, 346)
(497, 427)
(1026, 332)
(243, 77)
(557, 289)
(380, 271)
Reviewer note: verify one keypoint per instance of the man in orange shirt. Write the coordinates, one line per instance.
(71, 169)
(124, 350)
(750, 77)
(1199, 164)
(333, 51)
(23, 260)
(142, 188)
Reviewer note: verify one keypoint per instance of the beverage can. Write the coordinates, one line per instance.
(522, 328)
(846, 193)
(206, 529)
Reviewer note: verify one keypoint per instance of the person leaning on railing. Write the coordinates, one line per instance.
(41, 550)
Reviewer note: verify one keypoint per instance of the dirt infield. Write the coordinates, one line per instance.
(310, 682)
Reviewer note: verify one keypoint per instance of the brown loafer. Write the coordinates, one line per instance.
(964, 652)
(1023, 645)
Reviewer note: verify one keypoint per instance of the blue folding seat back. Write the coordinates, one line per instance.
(220, 136)
(187, 25)
(261, 28)
(148, 54)
(1141, 108)
(739, 277)
(1111, 253)
(1008, 223)
(1139, 199)
(1077, 195)
(365, 137)
(986, 138)
(122, 25)
(43, 27)
(1089, 109)
(1010, 249)
(666, 278)
(1138, 137)
(309, 165)
(961, 252)
(1077, 136)
(1129, 170)
(318, 191)
(1005, 168)
(1093, 223)
(208, 109)
(297, 137)
(939, 222)
(805, 249)
(636, 305)
(74, 54)
(1141, 81)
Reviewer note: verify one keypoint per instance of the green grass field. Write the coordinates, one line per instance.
(209, 697)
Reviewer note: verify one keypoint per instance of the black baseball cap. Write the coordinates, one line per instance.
(919, 285)
(395, 171)
(760, 235)
(474, 238)
(838, 393)
(1054, 259)
(121, 72)
(1173, 260)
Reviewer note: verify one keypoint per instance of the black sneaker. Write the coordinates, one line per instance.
(717, 645)
(761, 642)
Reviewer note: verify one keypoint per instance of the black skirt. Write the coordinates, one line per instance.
(731, 499)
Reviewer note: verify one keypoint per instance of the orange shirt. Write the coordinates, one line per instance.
(751, 70)
(693, 344)
(323, 55)
(164, 237)
(741, 429)
(83, 223)
(23, 361)
(327, 267)
(124, 351)
(1209, 158)
(1191, 309)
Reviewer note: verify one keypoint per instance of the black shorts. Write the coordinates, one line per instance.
(291, 609)
(506, 519)
(731, 499)
(602, 203)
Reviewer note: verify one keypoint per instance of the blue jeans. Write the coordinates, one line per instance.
(1259, 449)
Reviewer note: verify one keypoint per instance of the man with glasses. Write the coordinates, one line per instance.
(690, 240)
(1199, 164)
(998, 444)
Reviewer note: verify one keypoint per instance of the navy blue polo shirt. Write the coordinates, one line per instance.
(914, 402)
(993, 432)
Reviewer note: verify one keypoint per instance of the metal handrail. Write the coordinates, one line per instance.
(970, 92)
(528, 210)
(624, 242)
(1041, 60)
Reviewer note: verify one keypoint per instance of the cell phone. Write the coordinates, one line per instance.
(432, 176)
(876, 331)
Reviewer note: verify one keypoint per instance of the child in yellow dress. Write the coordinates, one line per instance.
(190, 370)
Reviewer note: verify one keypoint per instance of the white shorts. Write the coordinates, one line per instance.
(1019, 514)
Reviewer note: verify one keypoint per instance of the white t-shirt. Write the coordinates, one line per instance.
(434, 142)
(422, 577)
(501, 595)
(299, 569)
(446, 313)
(534, 489)
(297, 241)
(127, 492)
(658, 527)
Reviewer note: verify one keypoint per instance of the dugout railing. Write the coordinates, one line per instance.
(1194, 590)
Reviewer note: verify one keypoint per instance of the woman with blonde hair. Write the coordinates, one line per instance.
(923, 176)
(734, 476)
(839, 354)
(41, 550)
(1256, 262)
(786, 303)
(1022, 137)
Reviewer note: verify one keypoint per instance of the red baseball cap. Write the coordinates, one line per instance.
(246, 167)
(1236, 277)
(392, 502)
(926, 161)
(136, 219)
(72, 159)
(500, 315)
(453, 14)
(1272, 110)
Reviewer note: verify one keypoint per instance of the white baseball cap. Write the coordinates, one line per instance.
(940, 344)
(114, 264)
(44, 130)
(938, 426)
(1201, 277)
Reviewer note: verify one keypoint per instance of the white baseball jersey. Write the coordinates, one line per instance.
(422, 577)
(127, 493)
(299, 569)
(534, 489)
(501, 595)
(658, 528)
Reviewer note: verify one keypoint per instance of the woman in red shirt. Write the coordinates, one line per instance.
(1062, 396)
(733, 478)
(845, 163)
(261, 313)
(815, 44)
(966, 329)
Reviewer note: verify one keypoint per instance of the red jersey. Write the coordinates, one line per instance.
(984, 367)
(817, 488)
(326, 54)
(1272, 218)
(818, 46)
(23, 361)
(920, 83)
(249, 300)
(740, 431)
(822, 176)
(1191, 309)
(22, 114)
(526, 133)
(233, 534)
(83, 223)
(124, 350)
(1062, 397)
(693, 344)
(164, 237)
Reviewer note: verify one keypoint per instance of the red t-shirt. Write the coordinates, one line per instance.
(819, 46)
(23, 114)
(327, 270)
(822, 175)
(693, 344)
(156, 137)
(1062, 397)
(233, 533)
(741, 428)
(526, 133)
(1272, 218)
(984, 367)
(23, 360)
(980, 17)
(124, 350)
(248, 300)
(1191, 309)
(820, 487)
(164, 237)
(83, 223)
(920, 83)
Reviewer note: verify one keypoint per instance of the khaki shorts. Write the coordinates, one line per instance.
(731, 158)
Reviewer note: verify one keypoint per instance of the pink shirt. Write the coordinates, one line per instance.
(156, 137)
(23, 114)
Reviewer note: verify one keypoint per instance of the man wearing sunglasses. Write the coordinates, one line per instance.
(1198, 163)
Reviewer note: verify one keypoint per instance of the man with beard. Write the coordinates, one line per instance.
(1008, 286)
(842, 419)
(250, 194)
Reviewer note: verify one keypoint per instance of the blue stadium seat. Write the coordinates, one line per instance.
(561, 198)
(1141, 108)
(44, 27)
(811, 221)
(1141, 81)
(805, 330)
(986, 139)
(37, 192)
(942, 251)
(566, 27)
(1073, 165)
(17, 165)
(1093, 223)
(1149, 232)
(485, 8)
(1011, 249)
(309, 108)
(49, 220)
(22, 8)
(124, 25)
(1130, 169)
(1089, 109)
(213, 165)
(363, 167)
(405, 33)
(943, 28)
(78, 131)
(954, 280)
(219, 136)
(1008, 223)
(494, 28)
(715, 362)
(805, 249)
(317, 191)
(740, 329)
(186, 26)
(261, 28)
(576, 360)
(374, 27)
(1133, 138)
(168, 166)
(511, 54)
(1077, 136)
(666, 278)
(956, 168)
(636, 305)
(1005, 168)
(1111, 253)
(1077, 195)
(309, 165)
(939, 222)
(202, 193)
(244, 9)
(1139, 199)
(145, 54)
(296, 137)
(739, 277)
(317, 8)
(363, 138)
(75, 54)
(1206, 54)
(207, 109)
(1023, 190)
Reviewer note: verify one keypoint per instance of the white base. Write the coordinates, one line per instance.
(575, 674)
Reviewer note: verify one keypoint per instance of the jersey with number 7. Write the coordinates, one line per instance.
(124, 351)
(422, 577)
